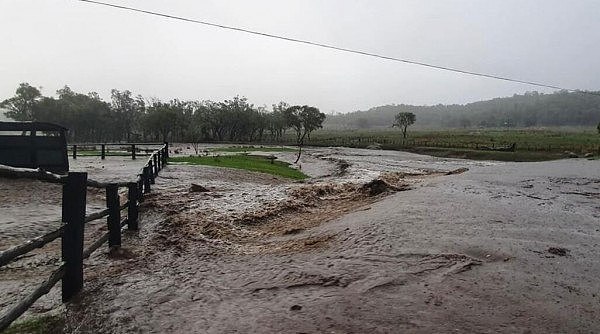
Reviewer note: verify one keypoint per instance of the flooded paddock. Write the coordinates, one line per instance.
(469, 251)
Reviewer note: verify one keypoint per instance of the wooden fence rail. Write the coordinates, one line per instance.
(131, 148)
(12, 253)
(74, 218)
(16, 311)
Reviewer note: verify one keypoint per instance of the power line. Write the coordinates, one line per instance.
(333, 47)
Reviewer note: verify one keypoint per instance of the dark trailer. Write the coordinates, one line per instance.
(34, 145)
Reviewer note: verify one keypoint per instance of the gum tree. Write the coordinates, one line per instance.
(20, 107)
(304, 120)
(404, 120)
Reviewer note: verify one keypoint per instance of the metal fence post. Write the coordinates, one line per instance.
(73, 215)
(132, 209)
(114, 215)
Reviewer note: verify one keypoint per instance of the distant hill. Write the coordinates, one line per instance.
(527, 110)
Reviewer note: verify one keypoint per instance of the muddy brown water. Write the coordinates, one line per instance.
(32, 208)
(455, 253)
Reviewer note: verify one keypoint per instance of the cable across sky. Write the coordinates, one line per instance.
(338, 48)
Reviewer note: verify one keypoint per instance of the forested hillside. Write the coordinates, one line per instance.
(528, 110)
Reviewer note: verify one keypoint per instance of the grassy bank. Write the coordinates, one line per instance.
(248, 162)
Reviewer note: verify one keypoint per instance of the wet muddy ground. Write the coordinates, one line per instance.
(29, 209)
(500, 247)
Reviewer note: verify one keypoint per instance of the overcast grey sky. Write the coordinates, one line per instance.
(52, 43)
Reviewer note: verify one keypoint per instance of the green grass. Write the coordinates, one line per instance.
(252, 149)
(526, 139)
(531, 144)
(248, 162)
(52, 324)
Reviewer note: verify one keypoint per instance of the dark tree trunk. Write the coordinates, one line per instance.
(299, 153)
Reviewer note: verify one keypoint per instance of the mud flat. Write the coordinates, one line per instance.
(433, 245)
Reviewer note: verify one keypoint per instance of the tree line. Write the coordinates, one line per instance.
(531, 109)
(129, 117)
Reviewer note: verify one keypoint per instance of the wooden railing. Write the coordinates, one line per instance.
(74, 218)
(127, 149)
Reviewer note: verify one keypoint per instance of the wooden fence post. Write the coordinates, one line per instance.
(74, 151)
(73, 215)
(151, 171)
(166, 150)
(155, 159)
(152, 168)
(140, 188)
(132, 152)
(103, 152)
(159, 160)
(114, 215)
(146, 178)
(132, 209)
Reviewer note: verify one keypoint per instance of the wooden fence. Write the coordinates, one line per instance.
(124, 149)
(74, 218)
